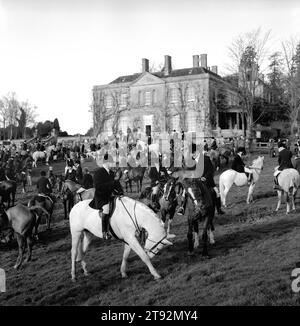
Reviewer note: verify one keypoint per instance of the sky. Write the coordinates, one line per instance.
(52, 52)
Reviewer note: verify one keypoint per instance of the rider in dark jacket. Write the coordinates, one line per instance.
(105, 184)
(284, 161)
(239, 166)
(43, 185)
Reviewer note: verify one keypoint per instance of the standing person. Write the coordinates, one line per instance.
(284, 161)
(271, 147)
(213, 145)
(105, 184)
(70, 171)
(79, 174)
(87, 181)
(239, 166)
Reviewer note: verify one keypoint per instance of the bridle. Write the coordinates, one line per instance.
(135, 223)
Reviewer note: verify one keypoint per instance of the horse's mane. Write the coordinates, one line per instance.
(141, 205)
(199, 190)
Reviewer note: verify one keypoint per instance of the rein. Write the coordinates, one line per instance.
(139, 230)
(155, 245)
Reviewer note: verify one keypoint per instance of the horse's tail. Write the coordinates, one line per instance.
(221, 188)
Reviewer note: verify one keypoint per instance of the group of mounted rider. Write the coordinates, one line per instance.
(198, 196)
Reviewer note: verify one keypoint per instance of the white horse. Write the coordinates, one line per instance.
(38, 155)
(230, 177)
(128, 218)
(288, 181)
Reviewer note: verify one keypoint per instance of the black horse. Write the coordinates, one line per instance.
(199, 207)
(8, 189)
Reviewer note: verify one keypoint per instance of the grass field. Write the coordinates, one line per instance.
(250, 264)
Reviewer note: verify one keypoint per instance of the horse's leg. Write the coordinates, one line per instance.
(190, 236)
(36, 226)
(279, 193)
(87, 238)
(196, 234)
(124, 261)
(21, 245)
(288, 204)
(250, 193)
(136, 247)
(29, 247)
(65, 208)
(48, 219)
(74, 251)
(204, 236)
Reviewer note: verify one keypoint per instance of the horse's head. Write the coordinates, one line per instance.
(258, 163)
(171, 189)
(199, 195)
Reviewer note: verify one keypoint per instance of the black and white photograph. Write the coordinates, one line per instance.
(149, 155)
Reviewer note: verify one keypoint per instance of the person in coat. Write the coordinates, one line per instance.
(239, 166)
(284, 161)
(105, 185)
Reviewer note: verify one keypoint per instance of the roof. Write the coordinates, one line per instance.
(160, 74)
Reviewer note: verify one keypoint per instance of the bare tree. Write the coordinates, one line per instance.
(9, 111)
(248, 53)
(291, 50)
(102, 112)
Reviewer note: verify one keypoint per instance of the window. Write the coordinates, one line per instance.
(191, 120)
(173, 95)
(190, 94)
(176, 123)
(148, 98)
(123, 124)
(123, 99)
(108, 101)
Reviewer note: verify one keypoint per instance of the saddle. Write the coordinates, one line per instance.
(112, 206)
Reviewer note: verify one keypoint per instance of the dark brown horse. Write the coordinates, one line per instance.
(67, 192)
(8, 189)
(135, 174)
(44, 205)
(199, 207)
(20, 220)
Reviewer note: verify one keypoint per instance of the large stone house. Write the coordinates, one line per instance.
(194, 99)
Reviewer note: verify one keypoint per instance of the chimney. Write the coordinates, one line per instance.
(168, 65)
(145, 65)
(196, 61)
(214, 69)
(203, 60)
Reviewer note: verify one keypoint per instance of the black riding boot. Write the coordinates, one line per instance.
(105, 223)
(218, 206)
(276, 185)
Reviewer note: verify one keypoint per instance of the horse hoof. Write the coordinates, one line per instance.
(158, 277)
(86, 274)
(16, 266)
(124, 275)
(190, 253)
(73, 280)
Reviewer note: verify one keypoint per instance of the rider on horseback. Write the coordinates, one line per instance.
(44, 186)
(208, 178)
(284, 161)
(158, 175)
(105, 184)
(239, 166)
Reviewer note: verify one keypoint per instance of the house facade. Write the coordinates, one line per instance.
(194, 99)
